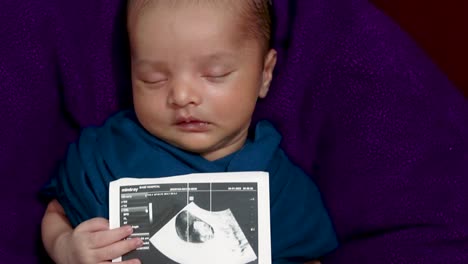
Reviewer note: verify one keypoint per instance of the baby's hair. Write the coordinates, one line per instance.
(255, 14)
(258, 20)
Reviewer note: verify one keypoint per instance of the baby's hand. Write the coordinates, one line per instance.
(93, 242)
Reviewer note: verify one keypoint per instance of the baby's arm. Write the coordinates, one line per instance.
(90, 242)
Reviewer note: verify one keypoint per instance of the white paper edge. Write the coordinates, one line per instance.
(263, 191)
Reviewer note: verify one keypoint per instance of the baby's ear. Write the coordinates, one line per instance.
(268, 68)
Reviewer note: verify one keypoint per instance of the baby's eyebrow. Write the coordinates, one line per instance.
(205, 59)
(148, 63)
(217, 56)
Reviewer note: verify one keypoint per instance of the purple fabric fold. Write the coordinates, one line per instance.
(359, 105)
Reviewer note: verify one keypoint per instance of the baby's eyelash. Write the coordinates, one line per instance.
(215, 76)
(153, 82)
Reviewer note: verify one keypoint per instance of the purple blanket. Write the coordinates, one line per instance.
(359, 105)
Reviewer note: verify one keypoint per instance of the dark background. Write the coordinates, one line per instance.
(441, 29)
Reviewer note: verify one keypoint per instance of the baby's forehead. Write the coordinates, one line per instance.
(136, 8)
(184, 3)
(248, 17)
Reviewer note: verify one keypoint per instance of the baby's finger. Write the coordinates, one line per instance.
(108, 237)
(118, 249)
(130, 261)
(93, 225)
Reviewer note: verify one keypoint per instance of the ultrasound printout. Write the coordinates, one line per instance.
(193, 222)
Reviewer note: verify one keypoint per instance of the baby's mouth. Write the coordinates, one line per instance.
(192, 125)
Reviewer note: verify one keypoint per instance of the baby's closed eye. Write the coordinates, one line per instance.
(217, 76)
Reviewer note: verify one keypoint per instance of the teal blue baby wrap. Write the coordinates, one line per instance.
(300, 225)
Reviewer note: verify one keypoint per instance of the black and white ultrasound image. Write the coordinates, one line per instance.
(193, 223)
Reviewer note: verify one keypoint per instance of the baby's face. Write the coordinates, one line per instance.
(196, 77)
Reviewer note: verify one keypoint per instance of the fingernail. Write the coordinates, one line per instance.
(139, 242)
(129, 229)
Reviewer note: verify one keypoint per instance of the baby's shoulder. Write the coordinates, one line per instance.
(120, 123)
(119, 129)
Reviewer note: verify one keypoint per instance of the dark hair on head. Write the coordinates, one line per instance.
(258, 20)
(255, 15)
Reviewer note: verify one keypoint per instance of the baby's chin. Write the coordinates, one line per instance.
(210, 145)
(207, 151)
(193, 146)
